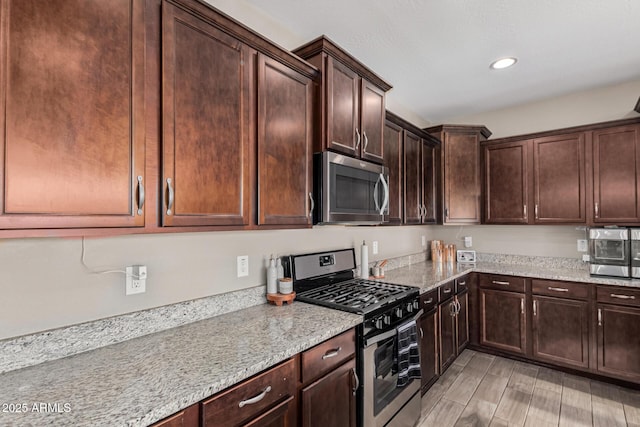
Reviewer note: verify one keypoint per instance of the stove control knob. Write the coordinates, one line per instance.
(409, 307)
(387, 319)
(379, 322)
(416, 304)
(398, 312)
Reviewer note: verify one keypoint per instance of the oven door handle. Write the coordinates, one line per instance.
(388, 334)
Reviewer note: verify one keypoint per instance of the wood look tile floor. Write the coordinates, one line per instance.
(484, 390)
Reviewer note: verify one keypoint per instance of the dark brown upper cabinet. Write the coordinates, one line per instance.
(616, 175)
(535, 181)
(284, 145)
(393, 160)
(419, 170)
(207, 122)
(460, 171)
(506, 182)
(582, 175)
(352, 103)
(237, 137)
(72, 147)
(559, 179)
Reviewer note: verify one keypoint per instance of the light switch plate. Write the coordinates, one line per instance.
(243, 265)
(466, 256)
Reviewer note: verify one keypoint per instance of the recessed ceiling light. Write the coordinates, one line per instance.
(503, 63)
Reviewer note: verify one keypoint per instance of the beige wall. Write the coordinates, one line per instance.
(44, 284)
(591, 106)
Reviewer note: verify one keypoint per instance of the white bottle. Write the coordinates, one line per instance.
(279, 268)
(364, 261)
(272, 277)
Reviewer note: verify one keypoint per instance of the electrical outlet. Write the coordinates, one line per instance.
(424, 241)
(375, 247)
(582, 245)
(243, 265)
(135, 279)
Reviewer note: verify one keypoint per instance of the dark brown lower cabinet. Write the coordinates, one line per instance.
(561, 331)
(330, 401)
(502, 320)
(188, 417)
(429, 348)
(618, 332)
(447, 322)
(462, 321)
(278, 416)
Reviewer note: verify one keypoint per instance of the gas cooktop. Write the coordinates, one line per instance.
(357, 295)
(327, 278)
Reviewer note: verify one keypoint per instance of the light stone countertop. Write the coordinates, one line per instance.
(145, 379)
(428, 275)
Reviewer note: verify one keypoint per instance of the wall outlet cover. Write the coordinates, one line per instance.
(242, 265)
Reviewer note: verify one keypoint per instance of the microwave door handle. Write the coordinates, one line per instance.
(385, 203)
(375, 194)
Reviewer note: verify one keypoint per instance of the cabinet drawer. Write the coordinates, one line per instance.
(447, 290)
(504, 283)
(462, 284)
(560, 289)
(255, 395)
(326, 356)
(620, 296)
(429, 300)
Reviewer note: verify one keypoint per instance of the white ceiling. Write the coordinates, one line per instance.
(436, 53)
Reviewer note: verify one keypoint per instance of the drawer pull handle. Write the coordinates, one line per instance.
(599, 317)
(255, 399)
(331, 353)
(421, 333)
(619, 296)
(462, 283)
(535, 308)
(429, 301)
(446, 291)
(551, 288)
(500, 282)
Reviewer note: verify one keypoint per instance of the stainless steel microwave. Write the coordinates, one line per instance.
(349, 190)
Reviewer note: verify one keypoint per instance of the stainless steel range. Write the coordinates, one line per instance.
(387, 358)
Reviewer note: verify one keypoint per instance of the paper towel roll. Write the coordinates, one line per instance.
(364, 261)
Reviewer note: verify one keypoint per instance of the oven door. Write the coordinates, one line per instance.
(353, 191)
(383, 399)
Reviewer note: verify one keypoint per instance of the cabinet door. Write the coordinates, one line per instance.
(461, 178)
(429, 348)
(72, 144)
(429, 184)
(331, 401)
(506, 183)
(618, 345)
(568, 344)
(616, 175)
(412, 179)
(502, 320)
(372, 120)
(281, 415)
(462, 322)
(559, 179)
(393, 161)
(343, 108)
(284, 145)
(188, 417)
(206, 174)
(447, 344)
